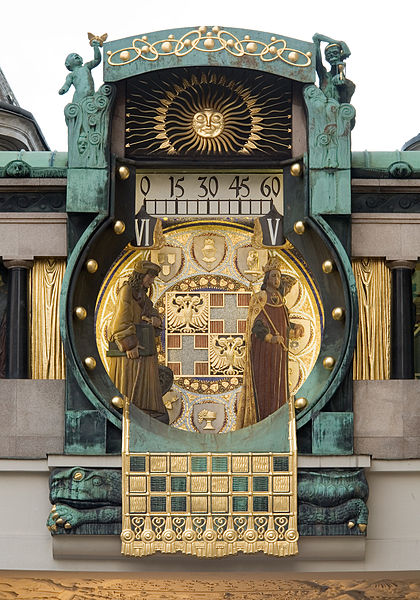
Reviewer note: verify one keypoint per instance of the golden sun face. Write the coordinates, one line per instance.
(213, 112)
(208, 123)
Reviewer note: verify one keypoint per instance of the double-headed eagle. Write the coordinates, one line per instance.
(188, 313)
(227, 355)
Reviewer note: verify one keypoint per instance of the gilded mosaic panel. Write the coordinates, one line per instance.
(209, 504)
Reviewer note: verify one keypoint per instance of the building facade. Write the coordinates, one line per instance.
(208, 161)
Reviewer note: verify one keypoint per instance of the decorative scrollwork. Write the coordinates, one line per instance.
(214, 40)
(158, 524)
(281, 524)
(127, 535)
(138, 525)
(199, 523)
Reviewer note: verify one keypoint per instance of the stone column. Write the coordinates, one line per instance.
(402, 319)
(17, 333)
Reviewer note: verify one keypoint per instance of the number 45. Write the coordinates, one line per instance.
(238, 184)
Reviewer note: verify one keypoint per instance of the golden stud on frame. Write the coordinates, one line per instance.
(301, 403)
(124, 55)
(328, 362)
(91, 265)
(80, 312)
(119, 227)
(328, 266)
(293, 57)
(299, 227)
(296, 169)
(124, 173)
(117, 401)
(90, 363)
(251, 47)
(209, 43)
(337, 313)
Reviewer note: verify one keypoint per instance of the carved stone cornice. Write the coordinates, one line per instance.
(394, 186)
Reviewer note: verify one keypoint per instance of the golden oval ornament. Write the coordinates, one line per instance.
(124, 172)
(117, 401)
(328, 266)
(209, 43)
(299, 227)
(91, 265)
(80, 312)
(296, 169)
(337, 313)
(251, 47)
(328, 362)
(119, 227)
(301, 403)
(90, 362)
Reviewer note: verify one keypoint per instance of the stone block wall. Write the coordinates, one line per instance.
(31, 417)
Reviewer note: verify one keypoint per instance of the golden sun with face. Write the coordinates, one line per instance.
(208, 123)
(209, 112)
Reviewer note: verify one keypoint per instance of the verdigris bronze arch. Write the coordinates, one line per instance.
(209, 46)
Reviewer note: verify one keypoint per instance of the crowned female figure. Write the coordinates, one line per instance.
(267, 340)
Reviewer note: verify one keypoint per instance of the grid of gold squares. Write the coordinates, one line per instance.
(209, 483)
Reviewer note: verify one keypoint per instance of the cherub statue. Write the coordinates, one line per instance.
(80, 74)
(334, 83)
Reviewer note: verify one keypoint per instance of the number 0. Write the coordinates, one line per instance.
(145, 185)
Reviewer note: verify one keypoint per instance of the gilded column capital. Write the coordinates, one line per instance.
(401, 264)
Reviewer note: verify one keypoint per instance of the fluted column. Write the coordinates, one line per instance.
(17, 333)
(402, 320)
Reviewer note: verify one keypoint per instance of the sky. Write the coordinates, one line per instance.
(383, 36)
